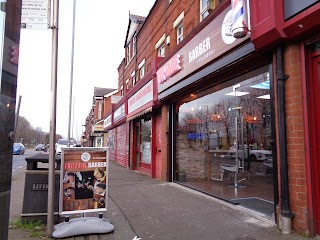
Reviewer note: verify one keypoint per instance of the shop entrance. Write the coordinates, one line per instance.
(314, 99)
(142, 144)
(223, 142)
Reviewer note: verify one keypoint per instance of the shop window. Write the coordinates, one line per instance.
(222, 139)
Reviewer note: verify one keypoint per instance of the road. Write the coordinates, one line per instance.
(18, 161)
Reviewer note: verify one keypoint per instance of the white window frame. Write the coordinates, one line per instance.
(134, 80)
(160, 46)
(134, 42)
(161, 51)
(179, 35)
(203, 10)
(177, 24)
(99, 110)
(142, 68)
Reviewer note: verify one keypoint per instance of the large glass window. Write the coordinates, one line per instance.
(146, 140)
(223, 140)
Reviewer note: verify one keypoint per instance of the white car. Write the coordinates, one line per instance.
(63, 143)
(254, 155)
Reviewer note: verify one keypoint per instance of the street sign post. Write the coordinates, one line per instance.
(35, 14)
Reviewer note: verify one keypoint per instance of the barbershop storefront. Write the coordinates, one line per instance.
(145, 123)
(219, 92)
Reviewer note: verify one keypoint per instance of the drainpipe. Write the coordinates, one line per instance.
(286, 214)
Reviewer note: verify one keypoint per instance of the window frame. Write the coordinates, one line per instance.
(179, 36)
(203, 10)
(162, 46)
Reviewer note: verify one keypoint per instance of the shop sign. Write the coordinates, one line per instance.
(141, 97)
(169, 69)
(97, 128)
(83, 180)
(119, 113)
(107, 122)
(210, 43)
(95, 134)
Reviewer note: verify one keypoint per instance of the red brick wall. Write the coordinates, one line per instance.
(122, 144)
(295, 138)
(160, 21)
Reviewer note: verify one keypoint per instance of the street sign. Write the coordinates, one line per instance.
(35, 14)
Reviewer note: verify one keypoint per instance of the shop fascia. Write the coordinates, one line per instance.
(97, 127)
(202, 49)
(141, 99)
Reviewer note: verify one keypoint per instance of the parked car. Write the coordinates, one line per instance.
(254, 154)
(40, 147)
(64, 143)
(18, 148)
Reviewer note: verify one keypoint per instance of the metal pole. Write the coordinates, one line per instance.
(54, 77)
(71, 72)
(17, 116)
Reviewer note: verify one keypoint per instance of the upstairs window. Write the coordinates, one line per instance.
(177, 24)
(133, 76)
(141, 68)
(161, 51)
(134, 45)
(203, 9)
(128, 53)
(179, 33)
(160, 46)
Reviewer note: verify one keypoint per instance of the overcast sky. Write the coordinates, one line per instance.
(100, 33)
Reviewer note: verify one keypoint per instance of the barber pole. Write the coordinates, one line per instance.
(239, 27)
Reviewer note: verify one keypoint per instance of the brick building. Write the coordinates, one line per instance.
(226, 107)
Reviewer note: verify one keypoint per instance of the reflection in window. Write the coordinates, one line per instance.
(208, 133)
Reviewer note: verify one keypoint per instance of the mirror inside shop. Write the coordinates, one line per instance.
(223, 142)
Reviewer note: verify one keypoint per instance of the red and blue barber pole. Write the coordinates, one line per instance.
(239, 26)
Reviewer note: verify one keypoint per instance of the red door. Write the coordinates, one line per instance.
(158, 150)
(137, 146)
(314, 103)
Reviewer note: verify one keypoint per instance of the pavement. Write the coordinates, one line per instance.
(143, 208)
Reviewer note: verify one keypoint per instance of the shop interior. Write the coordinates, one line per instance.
(223, 142)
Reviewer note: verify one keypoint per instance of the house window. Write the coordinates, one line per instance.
(177, 24)
(141, 68)
(99, 110)
(128, 53)
(160, 46)
(179, 33)
(203, 9)
(161, 51)
(134, 44)
(133, 75)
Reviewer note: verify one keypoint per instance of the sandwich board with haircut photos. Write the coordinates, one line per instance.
(83, 189)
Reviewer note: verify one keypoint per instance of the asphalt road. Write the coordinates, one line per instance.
(18, 161)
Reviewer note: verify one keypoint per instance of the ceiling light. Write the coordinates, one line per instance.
(267, 96)
(237, 94)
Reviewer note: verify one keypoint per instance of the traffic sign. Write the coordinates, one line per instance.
(35, 14)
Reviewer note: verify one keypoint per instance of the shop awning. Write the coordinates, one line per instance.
(139, 114)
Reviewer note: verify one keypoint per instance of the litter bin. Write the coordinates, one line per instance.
(35, 198)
